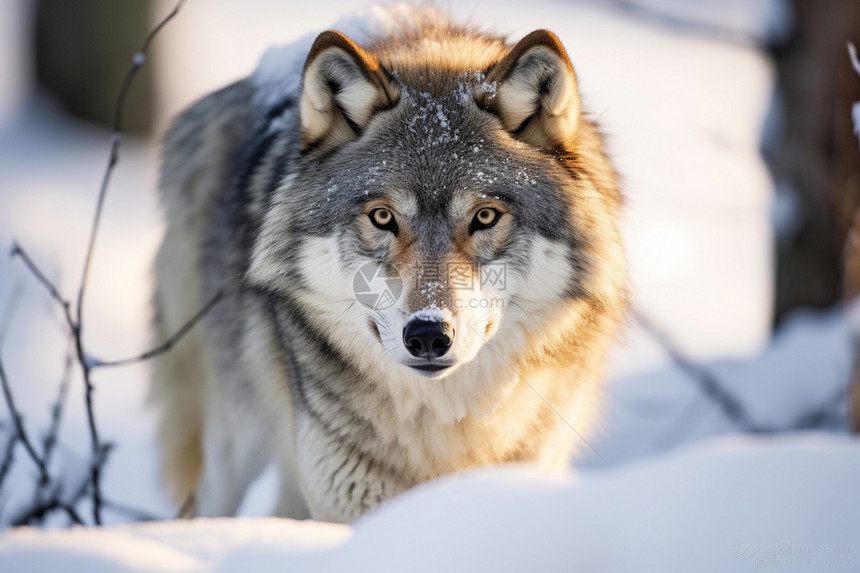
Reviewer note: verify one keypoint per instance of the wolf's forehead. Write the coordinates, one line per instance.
(445, 146)
(438, 58)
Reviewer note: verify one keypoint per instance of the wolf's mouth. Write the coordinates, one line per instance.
(430, 367)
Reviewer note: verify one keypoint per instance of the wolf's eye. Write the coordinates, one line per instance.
(383, 219)
(484, 219)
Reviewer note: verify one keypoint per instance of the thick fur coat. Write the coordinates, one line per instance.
(418, 147)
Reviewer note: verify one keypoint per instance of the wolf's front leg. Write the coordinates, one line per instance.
(291, 494)
(235, 453)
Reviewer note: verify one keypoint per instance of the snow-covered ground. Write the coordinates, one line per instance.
(732, 505)
(682, 91)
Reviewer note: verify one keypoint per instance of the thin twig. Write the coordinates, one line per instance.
(731, 407)
(825, 414)
(19, 426)
(18, 251)
(169, 343)
(41, 510)
(74, 321)
(50, 441)
(10, 309)
(86, 364)
(8, 458)
(708, 383)
(137, 62)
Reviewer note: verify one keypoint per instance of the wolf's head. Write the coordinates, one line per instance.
(449, 192)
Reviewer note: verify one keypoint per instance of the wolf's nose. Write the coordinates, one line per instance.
(428, 338)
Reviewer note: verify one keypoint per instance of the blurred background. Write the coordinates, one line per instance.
(730, 123)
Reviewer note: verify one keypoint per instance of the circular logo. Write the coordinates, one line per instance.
(375, 287)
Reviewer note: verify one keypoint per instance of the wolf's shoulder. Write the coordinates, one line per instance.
(216, 109)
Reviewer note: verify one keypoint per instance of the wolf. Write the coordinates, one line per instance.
(412, 232)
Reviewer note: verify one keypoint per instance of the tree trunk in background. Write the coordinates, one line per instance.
(84, 49)
(818, 155)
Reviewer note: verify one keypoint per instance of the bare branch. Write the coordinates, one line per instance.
(50, 440)
(827, 414)
(18, 251)
(19, 426)
(9, 311)
(137, 62)
(75, 322)
(95, 443)
(8, 457)
(170, 342)
(732, 408)
(41, 510)
(708, 383)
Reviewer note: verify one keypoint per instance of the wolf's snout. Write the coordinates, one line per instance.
(428, 338)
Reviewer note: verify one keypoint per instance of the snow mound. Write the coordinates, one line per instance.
(731, 505)
(278, 75)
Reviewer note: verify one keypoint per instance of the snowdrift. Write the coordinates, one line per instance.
(780, 504)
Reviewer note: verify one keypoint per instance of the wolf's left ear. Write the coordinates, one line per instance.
(343, 86)
(536, 95)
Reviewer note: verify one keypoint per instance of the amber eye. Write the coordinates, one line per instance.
(484, 219)
(383, 219)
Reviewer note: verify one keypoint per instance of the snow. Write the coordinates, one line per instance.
(852, 54)
(736, 504)
(429, 314)
(167, 546)
(855, 117)
(279, 72)
(670, 487)
(855, 109)
(802, 369)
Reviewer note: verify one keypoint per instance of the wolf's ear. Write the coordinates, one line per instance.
(342, 87)
(536, 95)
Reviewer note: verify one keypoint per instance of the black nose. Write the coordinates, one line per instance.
(428, 338)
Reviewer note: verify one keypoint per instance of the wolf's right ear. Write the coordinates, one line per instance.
(535, 92)
(343, 86)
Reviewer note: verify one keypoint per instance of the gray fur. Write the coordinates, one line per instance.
(282, 369)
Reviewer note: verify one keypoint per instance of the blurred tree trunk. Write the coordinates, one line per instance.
(819, 158)
(84, 49)
(818, 155)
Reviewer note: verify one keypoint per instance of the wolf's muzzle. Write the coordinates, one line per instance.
(428, 338)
